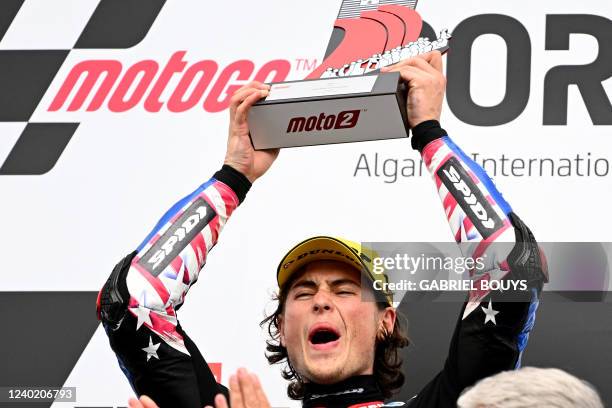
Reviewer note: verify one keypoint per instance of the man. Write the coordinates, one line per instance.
(531, 387)
(339, 349)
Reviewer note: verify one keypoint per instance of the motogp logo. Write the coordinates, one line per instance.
(26, 74)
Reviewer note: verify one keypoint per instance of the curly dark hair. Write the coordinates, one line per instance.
(387, 360)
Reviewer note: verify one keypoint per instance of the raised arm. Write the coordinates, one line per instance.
(138, 303)
(493, 327)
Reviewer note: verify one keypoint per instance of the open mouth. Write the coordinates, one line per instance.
(321, 336)
(324, 336)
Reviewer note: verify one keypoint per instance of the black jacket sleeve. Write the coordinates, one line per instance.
(493, 327)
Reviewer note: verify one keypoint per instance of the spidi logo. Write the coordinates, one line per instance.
(202, 83)
(343, 120)
(469, 197)
(177, 237)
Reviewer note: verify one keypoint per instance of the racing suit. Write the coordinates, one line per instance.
(138, 303)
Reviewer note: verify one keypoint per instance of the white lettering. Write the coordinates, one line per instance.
(470, 198)
(178, 236)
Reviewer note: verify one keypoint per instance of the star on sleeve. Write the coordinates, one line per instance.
(142, 314)
(151, 350)
(489, 313)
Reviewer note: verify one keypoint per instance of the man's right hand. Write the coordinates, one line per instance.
(240, 153)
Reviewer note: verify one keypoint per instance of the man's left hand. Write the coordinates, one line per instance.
(426, 84)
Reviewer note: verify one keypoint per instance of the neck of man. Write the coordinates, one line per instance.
(360, 390)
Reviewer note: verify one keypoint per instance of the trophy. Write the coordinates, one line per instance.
(347, 98)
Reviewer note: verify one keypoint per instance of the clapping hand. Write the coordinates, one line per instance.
(245, 392)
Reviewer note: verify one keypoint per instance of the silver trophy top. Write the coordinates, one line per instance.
(353, 8)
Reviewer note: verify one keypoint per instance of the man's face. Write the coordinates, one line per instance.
(328, 330)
